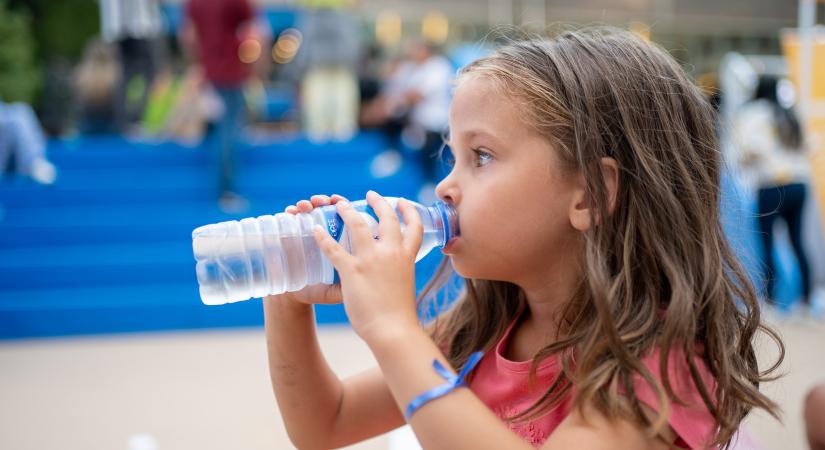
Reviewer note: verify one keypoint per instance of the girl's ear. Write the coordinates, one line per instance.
(580, 205)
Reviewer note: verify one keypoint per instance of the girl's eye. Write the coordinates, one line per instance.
(482, 158)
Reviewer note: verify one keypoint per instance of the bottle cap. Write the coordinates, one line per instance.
(449, 219)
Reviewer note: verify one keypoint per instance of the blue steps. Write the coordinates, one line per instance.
(111, 171)
(107, 249)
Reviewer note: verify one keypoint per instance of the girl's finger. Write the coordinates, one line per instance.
(304, 206)
(337, 198)
(414, 229)
(330, 248)
(360, 234)
(319, 200)
(389, 228)
(314, 202)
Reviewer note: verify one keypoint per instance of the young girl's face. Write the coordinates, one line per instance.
(513, 198)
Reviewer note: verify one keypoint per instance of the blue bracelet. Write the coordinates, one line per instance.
(453, 382)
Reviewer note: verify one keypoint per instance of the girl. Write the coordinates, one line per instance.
(610, 311)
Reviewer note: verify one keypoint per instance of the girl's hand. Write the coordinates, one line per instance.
(378, 277)
(319, 293)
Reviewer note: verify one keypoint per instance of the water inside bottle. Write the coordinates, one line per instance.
(229, 270)
(273, 254)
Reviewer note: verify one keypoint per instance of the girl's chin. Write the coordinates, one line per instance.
(469, 269)
(462, 269)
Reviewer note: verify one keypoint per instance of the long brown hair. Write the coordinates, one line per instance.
(658, 273)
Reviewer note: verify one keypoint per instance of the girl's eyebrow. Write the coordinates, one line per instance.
(470, 134)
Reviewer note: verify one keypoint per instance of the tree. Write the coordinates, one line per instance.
(19, 74)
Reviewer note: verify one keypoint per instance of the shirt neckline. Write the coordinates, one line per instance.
(519, 367)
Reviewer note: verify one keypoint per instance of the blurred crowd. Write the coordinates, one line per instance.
(222, 69)
(210, 75)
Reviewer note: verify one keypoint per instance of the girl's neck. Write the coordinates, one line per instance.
(546, 300)
(525, 339)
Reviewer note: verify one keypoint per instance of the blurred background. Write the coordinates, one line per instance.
(125, 124)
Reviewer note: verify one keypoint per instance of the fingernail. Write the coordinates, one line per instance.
(372, 192)
(343, 203)
(317, 228)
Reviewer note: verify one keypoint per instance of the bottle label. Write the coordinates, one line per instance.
(335, 226)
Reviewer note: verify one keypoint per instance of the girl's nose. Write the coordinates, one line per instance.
(446, 190)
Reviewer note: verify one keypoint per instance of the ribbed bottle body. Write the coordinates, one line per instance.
(272, 254)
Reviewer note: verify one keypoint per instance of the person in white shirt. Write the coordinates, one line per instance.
(135, 28)
(773, 156)
(419, 92)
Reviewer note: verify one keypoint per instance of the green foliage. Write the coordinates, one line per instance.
(19, 74)
(64, 27)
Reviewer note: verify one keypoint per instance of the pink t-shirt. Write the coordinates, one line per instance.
(502, 385)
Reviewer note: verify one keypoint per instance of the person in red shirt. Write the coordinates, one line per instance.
(214, 32)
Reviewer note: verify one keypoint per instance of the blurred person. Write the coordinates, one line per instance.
(374, 81)
(56, 108)
(134, 27)
(370, 74)
(214, 31)
(417, 96)
(773, 155)
(23, 144)
(96, 80)
(260, 30)
(256, 87)
(327, 60)
(814, 415)
(181, 107)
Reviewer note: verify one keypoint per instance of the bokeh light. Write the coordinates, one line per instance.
(249, 51)
(286, 46)
(435, 27)
(388, 28)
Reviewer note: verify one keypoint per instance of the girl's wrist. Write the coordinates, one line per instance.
(283, 302)
(384, 338)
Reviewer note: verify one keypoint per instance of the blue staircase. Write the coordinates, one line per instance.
(107, 249)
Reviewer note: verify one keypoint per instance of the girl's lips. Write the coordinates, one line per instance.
(449, 246)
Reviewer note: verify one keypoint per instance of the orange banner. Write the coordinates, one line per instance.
(815, 123)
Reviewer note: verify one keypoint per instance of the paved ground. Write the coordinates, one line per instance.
(210, 390)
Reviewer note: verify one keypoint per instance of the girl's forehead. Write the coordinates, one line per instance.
(479, 105)
(476, 87)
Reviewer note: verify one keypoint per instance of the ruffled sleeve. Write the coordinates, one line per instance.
(692, 422)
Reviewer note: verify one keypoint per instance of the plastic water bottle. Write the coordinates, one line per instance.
(272, 254)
